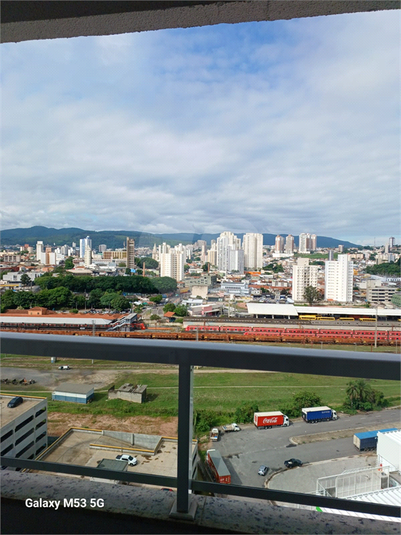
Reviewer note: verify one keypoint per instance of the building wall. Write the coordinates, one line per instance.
(303, 275)
(339, 279)
(130, 253)
(73, 397)
(253, 250)
(25, 436)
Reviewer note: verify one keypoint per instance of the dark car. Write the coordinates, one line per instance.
(15, 402)
(263, 470)
(291, 463)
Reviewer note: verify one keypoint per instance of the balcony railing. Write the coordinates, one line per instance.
(186, 355)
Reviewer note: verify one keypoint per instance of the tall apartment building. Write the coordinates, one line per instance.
(88, 257)
(391, 243)
(305, 242)
(130, 253)
(212, 254)
(313, 242)
(226, 242)
(236, 260)
(303, 275)
(40, 249)
(289, 244)
(253, 250)
(83, 243)
(171, 261)
(279, 244)
(339, 279)
(102, 247)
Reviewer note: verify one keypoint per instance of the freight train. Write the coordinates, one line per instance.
(287, 334)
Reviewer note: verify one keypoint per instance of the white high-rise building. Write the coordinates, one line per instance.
(172, 261)
(226, 242)
(313, 242)
(289, 244)
(391, 242)
(83, 244)
(253, 250)
(40, 249)
(236, 260)
(304, 243)
(88, 257)
(339, 279)
(303, 275)
(279, 244)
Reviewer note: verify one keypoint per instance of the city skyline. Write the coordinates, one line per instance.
(257, 128)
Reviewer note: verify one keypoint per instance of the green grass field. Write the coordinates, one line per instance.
(222, 392)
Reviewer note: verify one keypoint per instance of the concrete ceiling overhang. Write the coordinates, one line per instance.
(32, 20)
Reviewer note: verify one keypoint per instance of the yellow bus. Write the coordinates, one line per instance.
(367, 319)
(346, 319)
(325, 318)
(307, 317)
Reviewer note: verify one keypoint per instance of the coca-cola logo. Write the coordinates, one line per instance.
(270, 420)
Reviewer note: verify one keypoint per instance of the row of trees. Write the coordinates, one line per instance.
(389, 268)
(59, 298)
(133, 284)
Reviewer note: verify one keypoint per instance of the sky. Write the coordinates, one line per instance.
(272, 127)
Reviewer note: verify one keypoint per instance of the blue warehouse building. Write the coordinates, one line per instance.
(76, 393)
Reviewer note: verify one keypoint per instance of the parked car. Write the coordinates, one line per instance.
(263, 470)
(292, 463)
(132, 461)
(64, 368)
(15, 402)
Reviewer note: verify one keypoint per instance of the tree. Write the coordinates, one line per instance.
(170, 307)
(120, 303)
(127, 271)
(95, 297)
(8, 300)
(154, 317)
(186, 268)
(164, 284)
(352, 392)
(181, 310)
(206, 266)
(156, 299)
(25, 279)
(293, 409)
(150, 263)
(69, 263)
(311, 294)
(24, 299)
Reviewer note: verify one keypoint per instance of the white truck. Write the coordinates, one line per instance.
(214, 434)
(231, 427)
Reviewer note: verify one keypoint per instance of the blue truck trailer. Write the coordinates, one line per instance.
(313, 415)
(368, 439)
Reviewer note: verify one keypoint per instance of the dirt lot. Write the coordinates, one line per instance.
(59, 422)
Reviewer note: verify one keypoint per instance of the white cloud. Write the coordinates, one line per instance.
(275, 127)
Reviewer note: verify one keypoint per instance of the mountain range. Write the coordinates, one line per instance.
(115, 239)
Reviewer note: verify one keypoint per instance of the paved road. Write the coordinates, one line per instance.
(245, 451)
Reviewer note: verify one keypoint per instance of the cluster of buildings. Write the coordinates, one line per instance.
(229, 266)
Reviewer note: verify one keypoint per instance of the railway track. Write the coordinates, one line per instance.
(278, 337)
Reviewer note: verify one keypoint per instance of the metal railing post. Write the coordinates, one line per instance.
(185, 432)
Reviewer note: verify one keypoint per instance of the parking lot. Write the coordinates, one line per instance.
(244, 451)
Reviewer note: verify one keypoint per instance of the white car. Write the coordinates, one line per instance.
(132, 461)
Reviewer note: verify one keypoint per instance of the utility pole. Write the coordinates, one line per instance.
(376, 328)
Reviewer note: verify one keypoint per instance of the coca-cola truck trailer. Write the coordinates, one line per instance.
(218, 467)
(265, 420)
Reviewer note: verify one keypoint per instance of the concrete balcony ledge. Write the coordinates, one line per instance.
(214, 513)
